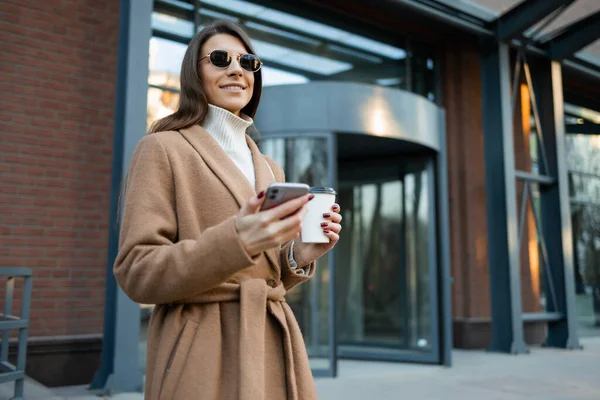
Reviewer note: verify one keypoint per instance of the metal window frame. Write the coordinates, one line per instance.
(439, 353)
(503, 251)
(574, 38)
(555, 201)
(443, 249)
(518, 19)
(507, 319)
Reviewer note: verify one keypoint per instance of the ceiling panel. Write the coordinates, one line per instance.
(572, 13)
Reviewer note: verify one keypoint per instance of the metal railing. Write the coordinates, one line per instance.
(8, 322)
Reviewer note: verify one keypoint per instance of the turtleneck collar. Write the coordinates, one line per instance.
(228, 129)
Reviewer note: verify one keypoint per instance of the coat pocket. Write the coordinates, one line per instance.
(177, 360)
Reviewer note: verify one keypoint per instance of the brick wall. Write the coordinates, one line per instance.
(57, 83)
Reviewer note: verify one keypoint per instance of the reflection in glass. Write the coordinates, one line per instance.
(537, 287)
(309, 27)
(298, 59)
(165, 62)
(160, 104)
(383, 262)
(168, 23)
(305, 160)
(274, 76)
(583, 162)
(295, 49)
(314, 50)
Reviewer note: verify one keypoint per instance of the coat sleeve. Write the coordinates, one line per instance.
(152, 266)
(290, 277)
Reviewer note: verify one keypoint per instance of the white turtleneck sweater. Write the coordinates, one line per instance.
(229, 131)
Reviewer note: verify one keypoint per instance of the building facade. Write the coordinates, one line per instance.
(463, 138)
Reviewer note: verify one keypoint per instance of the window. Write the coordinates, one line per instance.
(583, 163)
(163, 79)
(294, 50)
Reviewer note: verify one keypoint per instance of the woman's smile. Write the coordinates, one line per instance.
(234, 87)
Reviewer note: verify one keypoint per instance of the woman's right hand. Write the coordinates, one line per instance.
(263, 230)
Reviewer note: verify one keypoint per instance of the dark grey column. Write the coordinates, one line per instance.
(554, 199)
(445, 279)
(119, 370)
(503, 247)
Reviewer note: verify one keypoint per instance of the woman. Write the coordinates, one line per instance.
(194, 242)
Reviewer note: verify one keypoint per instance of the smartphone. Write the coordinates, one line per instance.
(279, 193)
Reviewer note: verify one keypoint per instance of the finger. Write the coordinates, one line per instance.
(253, 204)
(331, 226)
(287, 208)
(336, 208)
(333, 237)
(302, 212)
(334, 217)
(290, 226)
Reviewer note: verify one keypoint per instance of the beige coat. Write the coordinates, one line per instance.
(221, 328)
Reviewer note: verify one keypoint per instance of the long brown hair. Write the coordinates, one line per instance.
(193, 104)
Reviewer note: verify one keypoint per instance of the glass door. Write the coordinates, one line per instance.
(309, 158)
(386, 283)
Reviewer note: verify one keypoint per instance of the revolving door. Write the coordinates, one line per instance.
(383, 293)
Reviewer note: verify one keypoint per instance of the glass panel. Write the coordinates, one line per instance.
(298, 59)
(297, 50)
(310, 50)
(419, 333)
(306, 160)
(165, 62)
(170, 24)
(273, 76)
(382, 291)
(160, 104)
(583, 161)
(310, 27)
(525, 144)
(535, 289)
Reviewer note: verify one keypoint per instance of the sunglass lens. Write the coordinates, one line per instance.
(220, 58)
(250, 62)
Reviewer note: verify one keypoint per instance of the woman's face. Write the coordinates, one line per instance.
(230, 88)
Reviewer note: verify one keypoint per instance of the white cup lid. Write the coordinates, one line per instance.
(322, 189)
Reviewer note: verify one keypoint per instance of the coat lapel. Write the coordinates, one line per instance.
(219, 162)
(229, 173)
(262, 170)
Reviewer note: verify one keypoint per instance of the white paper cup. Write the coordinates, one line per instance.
(312, 232)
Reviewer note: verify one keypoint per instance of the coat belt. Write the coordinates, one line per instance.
(255, 297)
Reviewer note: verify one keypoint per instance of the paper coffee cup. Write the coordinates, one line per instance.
(312, 232)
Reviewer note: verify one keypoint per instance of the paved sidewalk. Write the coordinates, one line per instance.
(544, 374)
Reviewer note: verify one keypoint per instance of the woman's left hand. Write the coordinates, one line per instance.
(305, 253)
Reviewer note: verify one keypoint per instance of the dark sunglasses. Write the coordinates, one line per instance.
(222, 59)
